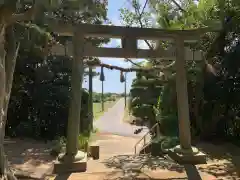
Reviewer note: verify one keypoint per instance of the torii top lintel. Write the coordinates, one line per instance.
(129, 37)
(107, 31)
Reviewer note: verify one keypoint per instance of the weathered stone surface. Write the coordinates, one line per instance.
(67, 167)
(191, 158)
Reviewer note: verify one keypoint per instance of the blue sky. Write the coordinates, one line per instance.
(112, 77)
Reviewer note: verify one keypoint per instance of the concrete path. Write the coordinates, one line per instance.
(116, 140)
(111, 122)
(111, 146)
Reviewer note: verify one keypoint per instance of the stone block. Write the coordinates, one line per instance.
(94, 151)
(70, 167)
(191, 158)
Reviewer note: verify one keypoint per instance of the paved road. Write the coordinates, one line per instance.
(111, 122)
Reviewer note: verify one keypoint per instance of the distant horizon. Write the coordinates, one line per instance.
(108, 92)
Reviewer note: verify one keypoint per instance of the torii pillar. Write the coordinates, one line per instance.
(74, 160)
(90, 101)
(184, 153)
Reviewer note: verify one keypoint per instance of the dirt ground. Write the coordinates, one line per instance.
(33, 157)
(29, 157)
(223, 160)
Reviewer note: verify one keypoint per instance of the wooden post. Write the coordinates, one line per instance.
(182, 97)
(90, 103)
(94, 151)
(102, 98)
(125, 90)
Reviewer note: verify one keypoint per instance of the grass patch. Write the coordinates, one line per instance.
(97, 108)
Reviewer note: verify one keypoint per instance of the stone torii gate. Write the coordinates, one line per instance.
(75, 160)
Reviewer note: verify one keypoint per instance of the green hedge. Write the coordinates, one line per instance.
(138, 101)
(143, 111)
(147, 82)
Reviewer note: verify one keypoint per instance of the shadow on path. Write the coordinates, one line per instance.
(138, 162)
(192, 172)
(135, 166)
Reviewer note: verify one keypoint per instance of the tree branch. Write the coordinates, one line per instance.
(129, 60)
(179, 7)
(155, 68)
(140, 20)
(28, 15)
(144, 6)
(140, 17)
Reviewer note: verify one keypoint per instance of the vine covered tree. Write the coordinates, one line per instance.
(213, 84)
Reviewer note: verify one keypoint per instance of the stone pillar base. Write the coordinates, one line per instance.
(192, 156)
(69, 165)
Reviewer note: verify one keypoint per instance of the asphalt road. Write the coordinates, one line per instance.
(111, 122)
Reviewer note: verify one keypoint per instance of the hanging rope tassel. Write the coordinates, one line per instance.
(102, 77)
(122, 78)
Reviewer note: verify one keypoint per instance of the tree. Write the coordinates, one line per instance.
(214, 112)
(10, 16)
(8, 53)
(42, 87)
(199, 15)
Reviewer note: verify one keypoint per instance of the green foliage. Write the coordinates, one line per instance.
(58, 146)
(147, 82)
(83, 141)
(138, 90)
(217, 106)
(144, 95)
(97, 97)
(138, 101)
(168, 121)
(168, 16)
(169, 125)
(143, 110)
(130, 18)
(168, 128)
(168, 99)
(39, 101)
(149, 92)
